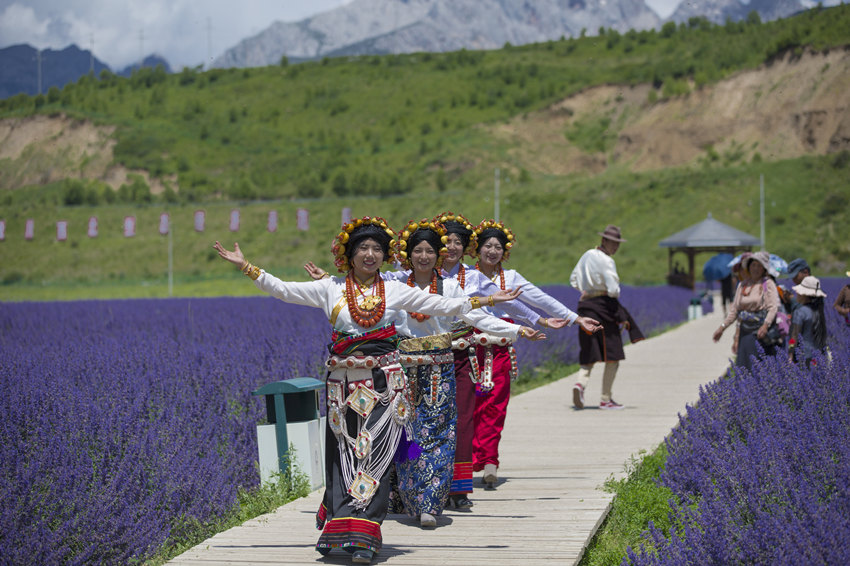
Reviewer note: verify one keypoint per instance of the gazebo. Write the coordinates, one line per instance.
(710, 235)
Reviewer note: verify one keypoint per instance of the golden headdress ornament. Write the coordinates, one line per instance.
(463, 221)
(424, 224)
(511, 239)
(340, 243)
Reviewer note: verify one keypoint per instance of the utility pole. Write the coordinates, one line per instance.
(496, 198)
(38, 57)
(141, 47)
(91, 55)
(761, 212)
(209, 43)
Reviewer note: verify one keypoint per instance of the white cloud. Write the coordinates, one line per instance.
(19, 24)
(185, 32)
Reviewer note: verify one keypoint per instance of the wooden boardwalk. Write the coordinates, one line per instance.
(548, 502)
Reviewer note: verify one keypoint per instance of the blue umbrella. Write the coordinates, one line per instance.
(779, 264)
(717, 267)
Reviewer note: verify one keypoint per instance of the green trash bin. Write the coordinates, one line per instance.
(292, 412)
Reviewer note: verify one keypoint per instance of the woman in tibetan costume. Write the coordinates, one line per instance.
(460, 241)
(496, 359)
(366, 388)
(425, 476)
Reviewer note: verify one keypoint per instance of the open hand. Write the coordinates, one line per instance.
(504, 295)
(589, 325)
(533, 335)
(315, 272)
(235, 257)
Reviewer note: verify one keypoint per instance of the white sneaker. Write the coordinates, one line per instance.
(578, 396)
(427, 520)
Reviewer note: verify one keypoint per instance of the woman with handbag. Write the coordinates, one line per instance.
(754, 307)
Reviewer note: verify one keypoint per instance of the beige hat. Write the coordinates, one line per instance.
(809, 286)
(764, 259)
(612, 233)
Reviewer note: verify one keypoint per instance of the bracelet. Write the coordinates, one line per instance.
(521, 332)
(490, 301)
(544, 322)
(475, 302)
(251, 271)
(325, 274)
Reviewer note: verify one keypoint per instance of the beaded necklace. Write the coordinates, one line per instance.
(500, 274)
(461, 276)
(432, 288)
(374, 305)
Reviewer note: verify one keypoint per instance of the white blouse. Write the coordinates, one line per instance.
(329, 295)
(531, 295)
(440, 324)
(476, 284)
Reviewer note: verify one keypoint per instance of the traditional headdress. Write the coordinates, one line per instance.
(493, 229)
(458, 224)
(414, 233)
(357, 230)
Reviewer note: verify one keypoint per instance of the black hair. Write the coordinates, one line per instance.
(424, 235)
(818, 322)
(364, 232)
(488, 233)
(455, 227)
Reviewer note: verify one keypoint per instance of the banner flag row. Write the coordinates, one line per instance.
(302, 218)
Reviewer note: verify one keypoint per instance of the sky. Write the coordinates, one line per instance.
(187, 33)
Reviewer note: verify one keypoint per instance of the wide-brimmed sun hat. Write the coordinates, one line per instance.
(810, 287)
(764, 259)
(612, 232)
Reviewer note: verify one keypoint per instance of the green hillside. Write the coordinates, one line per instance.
(401, 136)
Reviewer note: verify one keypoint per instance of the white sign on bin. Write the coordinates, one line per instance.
(308, 441)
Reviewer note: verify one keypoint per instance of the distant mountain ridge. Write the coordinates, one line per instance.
(19, 68)
(407, 26)
(718, 11)
(377, 27)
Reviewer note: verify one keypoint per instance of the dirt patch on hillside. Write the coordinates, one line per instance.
(793, 107)
(44, 149)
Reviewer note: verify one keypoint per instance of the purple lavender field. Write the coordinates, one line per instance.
(760, 466)
(122, 420)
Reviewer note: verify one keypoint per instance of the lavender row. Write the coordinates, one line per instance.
(122, 420)
(760, 466)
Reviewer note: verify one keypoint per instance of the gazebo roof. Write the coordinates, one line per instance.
(709, 233)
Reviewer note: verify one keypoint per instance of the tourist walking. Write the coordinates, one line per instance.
(754, 307)
(842, 302)
(595, 276)
(808, 323)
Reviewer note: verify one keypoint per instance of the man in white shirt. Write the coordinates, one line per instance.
(595, 275)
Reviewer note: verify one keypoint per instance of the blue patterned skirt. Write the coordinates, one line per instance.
(424, 477)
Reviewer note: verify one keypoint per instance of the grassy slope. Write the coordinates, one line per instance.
(395, 124)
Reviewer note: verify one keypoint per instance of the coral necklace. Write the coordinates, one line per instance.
(374, 305)
(461, 276)
(501, 274)
(432, 288)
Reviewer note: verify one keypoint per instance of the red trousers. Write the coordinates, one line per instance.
(491, 409)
